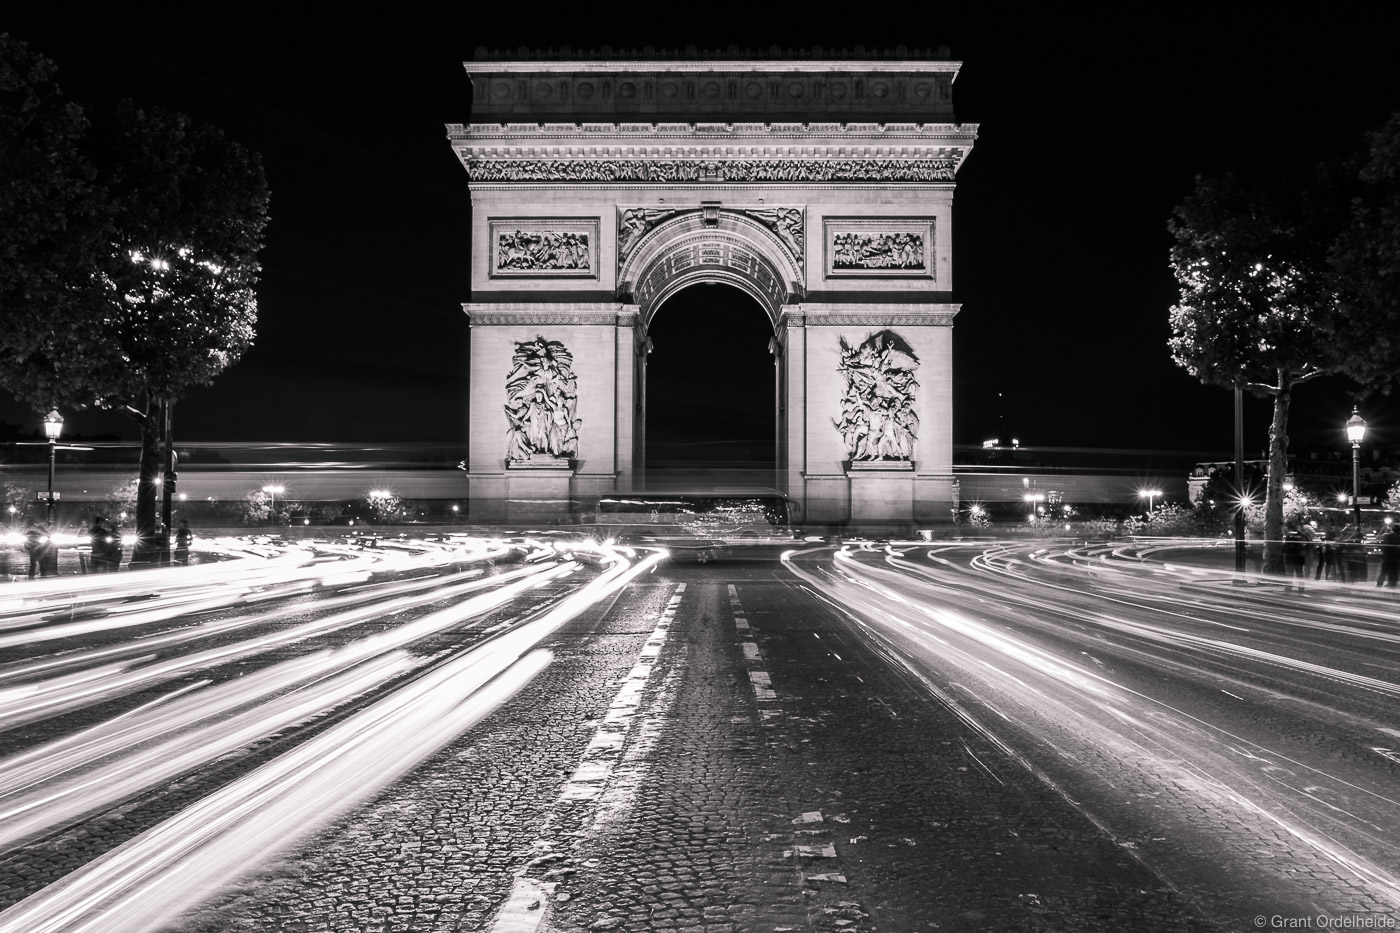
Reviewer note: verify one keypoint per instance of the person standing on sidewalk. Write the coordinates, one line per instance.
(1295, 558)
(36, 545)
(183, 538)
(1390, 556)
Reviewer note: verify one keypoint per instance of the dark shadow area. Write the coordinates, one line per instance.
(710, 383)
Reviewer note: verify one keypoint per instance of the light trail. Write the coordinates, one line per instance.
(41, 699)
(1005, 644)
(144, 883)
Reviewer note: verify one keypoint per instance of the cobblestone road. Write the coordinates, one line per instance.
(711, 753)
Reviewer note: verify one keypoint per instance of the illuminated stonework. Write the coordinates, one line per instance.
(822, 189)
(541, 402)
(878, 417)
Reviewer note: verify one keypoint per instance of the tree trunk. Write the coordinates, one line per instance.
(146, 549)
(167, 486)
(1278, 470)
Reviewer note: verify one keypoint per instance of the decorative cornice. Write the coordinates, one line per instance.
(512, 318)
(815, 57)
(596, 314)
(962, 133)
(870, 314)
(933, 319)
(661, 88)
(668, 171)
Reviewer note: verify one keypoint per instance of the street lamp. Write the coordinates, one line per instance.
(53, 427)
(272, 491)
(1149, 495)
(1356, 430)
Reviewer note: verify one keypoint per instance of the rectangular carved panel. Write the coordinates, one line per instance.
(879, 247)
(544, 247)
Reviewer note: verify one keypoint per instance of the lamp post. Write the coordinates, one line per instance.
(1356, 430)
(53, 427)
(1149, 495)
(272, 491)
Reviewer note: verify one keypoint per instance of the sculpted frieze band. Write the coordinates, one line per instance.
(727, 170)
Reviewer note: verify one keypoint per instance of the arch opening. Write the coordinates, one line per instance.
(711, 390)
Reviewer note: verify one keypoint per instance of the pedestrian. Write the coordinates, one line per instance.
(1295, 559)
(1326, 555)
(1352, 554)
(97, 544)
(36, 544)
(112, 552)
(1390, 556)
(183, 537)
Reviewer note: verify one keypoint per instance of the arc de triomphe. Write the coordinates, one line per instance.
(821, 188)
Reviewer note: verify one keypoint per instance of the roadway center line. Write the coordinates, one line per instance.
(526, 907)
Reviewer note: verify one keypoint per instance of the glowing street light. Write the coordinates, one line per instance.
(53, 427)
(272, 491)
(1356, 431)
(1149, 495)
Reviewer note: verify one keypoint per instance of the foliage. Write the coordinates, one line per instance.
(256, 508)
(120, 498)
(1167, 519)
(977, 517)
(1258, 302)
(384, 508)
(52, 226)
(1366, 256)
(141, 284)
(1392, 497)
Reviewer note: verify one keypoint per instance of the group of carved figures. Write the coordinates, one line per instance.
(541, 401)
(540, 249)
(878, 251)
(878, 421)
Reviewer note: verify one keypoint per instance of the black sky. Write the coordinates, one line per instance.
(1092, 127)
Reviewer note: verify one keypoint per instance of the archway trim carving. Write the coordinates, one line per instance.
(723, 246)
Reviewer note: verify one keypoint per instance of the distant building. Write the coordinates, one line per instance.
(1324, 474)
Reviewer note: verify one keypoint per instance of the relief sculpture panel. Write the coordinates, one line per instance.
(860, 246)
(878, 421)
(543, 247)
(541, 402)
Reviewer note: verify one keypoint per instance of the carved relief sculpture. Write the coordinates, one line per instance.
(522, 250)
(878, 421)
(878, 251)
(633, 224)
(541, 402)
(787, 223)
(543, 247)
(884, 247)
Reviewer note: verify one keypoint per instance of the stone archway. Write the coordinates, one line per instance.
(822, 189)
(709, 392)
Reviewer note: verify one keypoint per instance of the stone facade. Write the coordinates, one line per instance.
(820, 195)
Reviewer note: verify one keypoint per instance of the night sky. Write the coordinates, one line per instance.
(1092, 127)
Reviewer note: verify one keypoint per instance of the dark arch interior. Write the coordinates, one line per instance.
(710, 384)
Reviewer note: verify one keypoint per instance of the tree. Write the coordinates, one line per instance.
(53, 226)
(1366, 256)
(1259, 306)
(169, 301)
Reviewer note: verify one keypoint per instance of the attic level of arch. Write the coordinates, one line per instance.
(666, 94)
